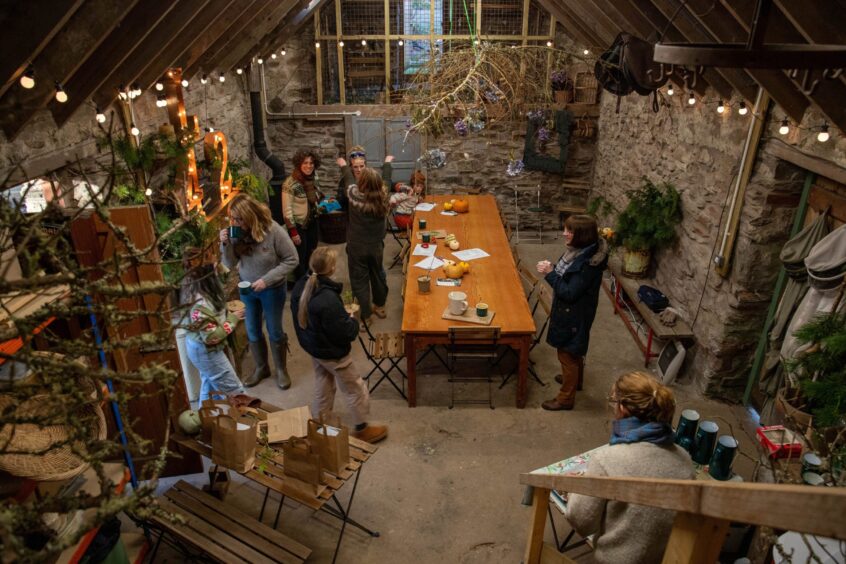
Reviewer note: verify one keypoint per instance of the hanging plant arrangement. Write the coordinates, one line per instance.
(539, 132)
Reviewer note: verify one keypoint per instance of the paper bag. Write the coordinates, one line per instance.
(234, 442)
(207, 417)
(299, 462)
(290, 422)
(332, 443)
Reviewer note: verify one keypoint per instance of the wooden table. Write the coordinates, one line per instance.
(269, 472)
(493, 279)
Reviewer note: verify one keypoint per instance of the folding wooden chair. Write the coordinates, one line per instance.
(545, 302)
(531, 284)
(515, 254)
(380, 348)
(472, 343)
(402, 237)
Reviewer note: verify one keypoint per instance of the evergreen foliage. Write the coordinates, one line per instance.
(649, 221)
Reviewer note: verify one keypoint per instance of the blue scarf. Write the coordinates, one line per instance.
(633, 430)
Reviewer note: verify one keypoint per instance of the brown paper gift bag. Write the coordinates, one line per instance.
(234, 442)
(332, 443)
(207, 418)
(299, 462)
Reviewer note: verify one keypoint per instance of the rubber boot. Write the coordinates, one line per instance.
(280, 362)
(262, 371)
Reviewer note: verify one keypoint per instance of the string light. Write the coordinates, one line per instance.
(670, 90)
(122, 93)
(283, 52)
(159, 86)
(184, 83)
(222, 78)
(161, 101)
(549, 43)
(100, 116)
(475, 42)
(400, 43)
(204, 79)
(721, 107)
(61, 95)
(586, 52)
(28, 78)
(742, 109)
(239, 70)
(823, 135)
(133, 129)
(260, 61)
(209, 130)
(148, 192)
(136, 90)
(363, 42)
(273, 55)
(691, 99)
(785, 128)
(317, 44)
(341, 43)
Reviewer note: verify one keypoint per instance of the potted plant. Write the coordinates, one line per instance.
(562, 86)
(648, 223)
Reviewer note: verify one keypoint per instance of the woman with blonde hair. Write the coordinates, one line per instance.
(326, 331)
(264, 255)
(641, 446)
(357, 163)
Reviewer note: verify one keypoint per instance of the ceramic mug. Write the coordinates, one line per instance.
(245, 288)
(481, 309)
(703, 442)
(720, 465)
(686, 429)
(235, 231)
(811, 462)
(457, 303)
(427, 238)
(421, 224)
(424, 284)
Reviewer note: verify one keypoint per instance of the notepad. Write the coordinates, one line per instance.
(424, 207)
(470, 254)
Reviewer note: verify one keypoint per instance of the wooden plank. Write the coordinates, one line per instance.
(534, 546)
(781, 506)
(179, 44)
(173, 24)
(205, 40)
(80, 37)
(114, 49)
(234, 31)
(573, 27)
(813, 163)
(197, 534)
(819, 21)
(695, 539)
(605, 33)
(248, 40)
(21, 44)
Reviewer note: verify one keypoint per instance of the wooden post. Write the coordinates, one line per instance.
(695, 539)
(342, 87)
(318, 58)
(387, 52)
(540, 504)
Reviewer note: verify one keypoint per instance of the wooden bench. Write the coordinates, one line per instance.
(681, 331)
(221, 531)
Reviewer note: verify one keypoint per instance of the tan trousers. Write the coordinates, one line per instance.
(347, 377)
(569, 377)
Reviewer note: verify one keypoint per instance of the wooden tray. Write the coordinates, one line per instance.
(470, 316)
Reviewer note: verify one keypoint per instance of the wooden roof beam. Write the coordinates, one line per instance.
(574, 27)
(134, 27)
(172, 24)
(60, 59)
(725, 29)
(213, 53)
(600, 28)
(248, 43)
(282, 31)
(21, 44)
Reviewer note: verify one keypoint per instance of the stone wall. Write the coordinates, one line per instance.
(698, 150)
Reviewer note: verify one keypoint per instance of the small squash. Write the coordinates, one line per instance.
(461, 206)
(453, 270)
(454, 245)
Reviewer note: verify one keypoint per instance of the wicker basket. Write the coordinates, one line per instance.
(333, 227)
(50, 458)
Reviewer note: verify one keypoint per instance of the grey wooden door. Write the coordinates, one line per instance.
(387, 136)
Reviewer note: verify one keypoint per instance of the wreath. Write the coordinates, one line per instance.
(537, 161)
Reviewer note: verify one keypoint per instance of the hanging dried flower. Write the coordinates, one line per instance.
(460, 127)
(433, 158)
(543, 134)
(514, 168)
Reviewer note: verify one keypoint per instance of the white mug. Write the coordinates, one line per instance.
(457, 303)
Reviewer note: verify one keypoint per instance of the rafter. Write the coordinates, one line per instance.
(257, 31)
(573, 26)
(601, 29)
(281, 31)
(111, 53)
(204, 41)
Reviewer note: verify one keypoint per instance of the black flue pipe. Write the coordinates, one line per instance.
(265, 154)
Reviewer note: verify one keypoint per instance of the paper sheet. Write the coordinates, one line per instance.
(449, 213)
(470, 254)
(449, 282)
(424, 206)
(427, 252)
(430, 263)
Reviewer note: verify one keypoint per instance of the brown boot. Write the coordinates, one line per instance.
(581, 374)
(566, 398)
(372, 433)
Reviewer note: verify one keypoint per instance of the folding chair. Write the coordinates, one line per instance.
(380, 348)
(515, 254)
(531, 285)
(545, 303)
(401, 236)
(472, 343)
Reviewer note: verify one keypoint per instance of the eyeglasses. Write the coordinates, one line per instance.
(358, 155)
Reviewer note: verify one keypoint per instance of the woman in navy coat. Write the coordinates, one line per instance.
(575, 281)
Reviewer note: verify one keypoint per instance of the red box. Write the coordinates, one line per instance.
(779, 441)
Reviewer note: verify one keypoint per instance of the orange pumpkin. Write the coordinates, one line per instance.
(461, 206)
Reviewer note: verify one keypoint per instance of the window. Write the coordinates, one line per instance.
(370, 49)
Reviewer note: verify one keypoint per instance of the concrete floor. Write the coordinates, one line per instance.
(444, 486)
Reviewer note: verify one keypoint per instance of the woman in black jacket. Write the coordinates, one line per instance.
(575, 281)
(326, 331)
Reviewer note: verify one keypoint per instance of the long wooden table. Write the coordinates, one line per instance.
(493, 279)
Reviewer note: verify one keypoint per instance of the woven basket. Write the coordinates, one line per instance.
(333, 227)
(51, 459)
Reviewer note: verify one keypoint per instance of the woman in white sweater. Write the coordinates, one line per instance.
(641, 446)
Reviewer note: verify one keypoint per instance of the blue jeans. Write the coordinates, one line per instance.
(270, 302)
(216, 372)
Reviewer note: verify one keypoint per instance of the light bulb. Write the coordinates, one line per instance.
(28, 78)
(273, 55)
(148, 192)
(364, 42)
(61, 95)
(133, 129)
(400, 43)
(691, 100)
(239, 70)
(317, 44)
(283, 52)
(340, 43)
(742, 110)
(196, 196)
(210, 130)
(101, 117)
(159, 86)
(161, 101)
(260, 61)
(721, 107)
(549, 43)
(122, 93)
(785, 127)
(670, 90)
(222, 78)
(184, 83)
(204, 79)
(823, 135)
(475, 42)
(586, 52)
(136, 90)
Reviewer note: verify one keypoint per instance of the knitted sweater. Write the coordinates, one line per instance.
(208, 326)
(295, 202)
(624, 532)
(271, 260)
(404, 201)
(365, 229)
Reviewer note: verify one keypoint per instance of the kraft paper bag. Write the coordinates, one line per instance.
(332, 443)
(283, 424)
(301, 463)
(234, 443)
(207, 418)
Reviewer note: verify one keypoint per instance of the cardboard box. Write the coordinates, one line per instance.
(779, 441)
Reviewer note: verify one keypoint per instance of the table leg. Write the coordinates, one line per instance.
(411, 368)
(523, 372)
(648, 354)
(616, 294)
(345, 516)
(278, 512)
